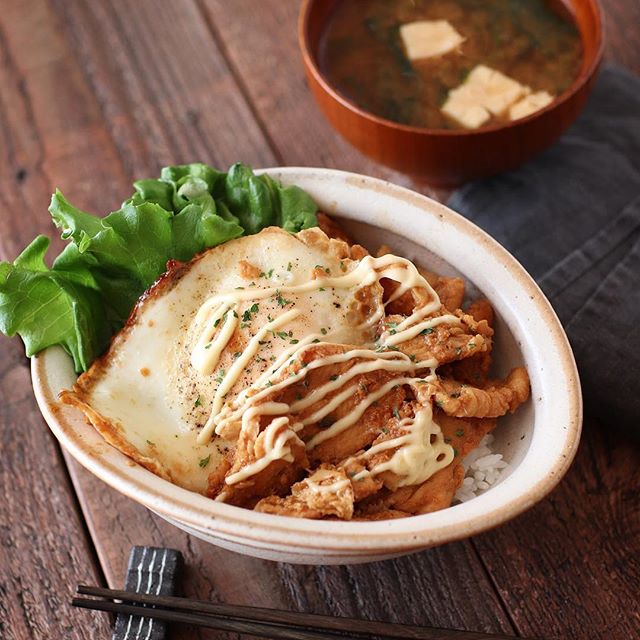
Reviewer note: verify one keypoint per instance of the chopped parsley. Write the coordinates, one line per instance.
(220, 376)
(294, 341)
(204, 461)
(334, 378)
(198, 402)
(253, 309)
(427, 331)
(396, 413)
(323, 331)
(151, 444)
(282, 301)
(315, 341)
(460, 433)
(282, 334)
(289, 267)
(216, 323)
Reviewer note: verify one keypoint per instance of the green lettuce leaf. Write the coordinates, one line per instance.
(92, 286)
(48, 307)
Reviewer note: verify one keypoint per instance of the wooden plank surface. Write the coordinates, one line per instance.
(114, 91)
(44, 546)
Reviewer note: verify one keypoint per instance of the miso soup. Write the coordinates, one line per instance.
(445, 64)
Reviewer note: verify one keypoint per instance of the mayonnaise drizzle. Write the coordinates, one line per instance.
(276, 439)
(413, 458)
(416, 457)
(338, 482)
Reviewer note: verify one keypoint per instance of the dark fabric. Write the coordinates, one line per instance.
(572, 217)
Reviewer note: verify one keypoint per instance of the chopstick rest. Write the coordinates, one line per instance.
(151, 570)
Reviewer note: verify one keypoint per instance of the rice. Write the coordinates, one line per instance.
(483, 468)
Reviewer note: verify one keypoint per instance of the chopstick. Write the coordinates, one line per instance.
(269, 623)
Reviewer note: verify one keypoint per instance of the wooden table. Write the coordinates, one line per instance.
(95, 93)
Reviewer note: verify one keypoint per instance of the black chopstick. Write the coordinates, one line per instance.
(264, 622)
(264, 630)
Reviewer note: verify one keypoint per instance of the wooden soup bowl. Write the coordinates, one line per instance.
(446, 157)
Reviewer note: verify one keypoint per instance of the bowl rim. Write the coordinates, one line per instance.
(224, 521)
(309, 58)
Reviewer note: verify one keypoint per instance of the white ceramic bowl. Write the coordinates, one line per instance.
(539, 440)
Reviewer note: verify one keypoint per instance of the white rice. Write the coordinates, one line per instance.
(483, 469)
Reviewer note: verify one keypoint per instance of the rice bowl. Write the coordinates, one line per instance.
(538, 444)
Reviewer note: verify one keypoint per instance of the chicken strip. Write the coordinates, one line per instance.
(332, 228)
(463, 434)
(445, 342)
(326, 492)
(266, 461)
(474, 370)
(432, 495)
(359, 387)
(496, 399)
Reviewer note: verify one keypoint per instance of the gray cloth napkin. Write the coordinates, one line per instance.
(572, 217)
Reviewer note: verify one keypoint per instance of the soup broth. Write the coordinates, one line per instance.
(364, 57)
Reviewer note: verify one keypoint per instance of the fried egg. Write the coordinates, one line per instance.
(150, 399)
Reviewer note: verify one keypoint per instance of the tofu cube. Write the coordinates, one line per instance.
(429, 38)
(496, 91)
(484, 92)
(463, 107)
(530, 104)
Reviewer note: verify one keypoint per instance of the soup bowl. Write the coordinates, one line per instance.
(448, 157)
(538, 441)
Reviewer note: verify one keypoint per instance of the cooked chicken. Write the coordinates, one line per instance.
(278, 456)
(326, 492)
(445, 343)
(474, 370)
(333, 229)
(433, 494)
(494, 400)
